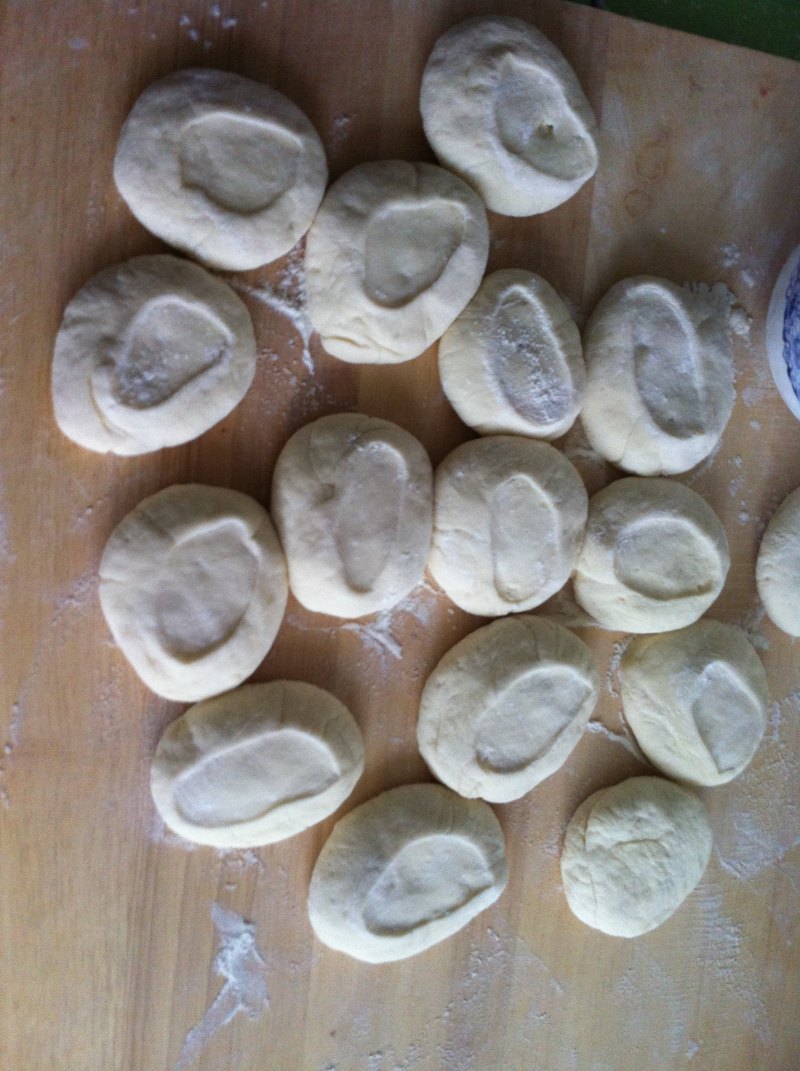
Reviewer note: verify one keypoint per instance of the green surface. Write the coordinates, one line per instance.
(769, 25)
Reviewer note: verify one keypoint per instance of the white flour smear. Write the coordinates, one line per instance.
(244, 988)
(752, 624)
(624, 740)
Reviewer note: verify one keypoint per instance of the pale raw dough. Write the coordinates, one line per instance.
(503, 109)
(633, 853)
(504, 707)
(654, 559)
(150, 353)
(222, 167)
(660, 374)
(256, 765)
(404, 871)
(394, 255)
(696, 701)
(352, 498)
(509, 519)
(193, 586)
(512, 361)
(778, 566)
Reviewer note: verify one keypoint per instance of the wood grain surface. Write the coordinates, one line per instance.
(107, 945)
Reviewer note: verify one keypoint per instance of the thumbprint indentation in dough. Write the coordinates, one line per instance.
(371, 493)
(664, 557)
(536, 123)
(524, 529)
(408, 246)
(511, 733)
(242, 164)
(666, 366)
(429, 878)
(204, 588)
(727, 716)
(526, 360)
(253, 776)
(169, 343)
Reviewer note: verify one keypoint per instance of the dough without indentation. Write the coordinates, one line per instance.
(395, 253)
(660, 374)
(778, 566)
(509, 518)
(502, 108)
(150, 353)
(654, 559)
(696, 700)
(352, 498)
(222, 167)
(504, 707)
(193, 587)
(256, 765)
(404, 871)
(633, 853)
(512, 361)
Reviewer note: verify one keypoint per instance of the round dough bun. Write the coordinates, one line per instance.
(504, 707)
(394, 255)
(222, 167)
(696, 701)
(782, 332)
(633, 853)
(193, 587)
(404, 871)
(509, 519)
(256, 765)
(352, 497)
(778, 566)
(512, 362)
(654, 559)
(502, 108)
(150, 353)
(660, 374)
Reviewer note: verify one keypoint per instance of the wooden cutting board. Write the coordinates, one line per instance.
(108, 943)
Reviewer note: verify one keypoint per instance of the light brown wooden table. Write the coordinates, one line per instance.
(106, 938)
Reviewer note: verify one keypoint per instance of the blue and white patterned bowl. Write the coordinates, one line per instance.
(783, 333)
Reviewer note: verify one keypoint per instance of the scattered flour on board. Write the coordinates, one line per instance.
(244, 989)
(752, 624)
(340, 129)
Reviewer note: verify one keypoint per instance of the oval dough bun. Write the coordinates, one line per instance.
(778, 566)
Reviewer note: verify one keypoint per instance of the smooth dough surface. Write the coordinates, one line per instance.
(633, 853)
(696, 701)
(509, 519)
(654, 559)
(512, 362)
(150, 353)
(256, 765)
(352, 497)
(395, 253)
(502, 108)
(404, 871)
(220, 166)
(778, 566)
(660, 374)
(504, 707)
(193, 587)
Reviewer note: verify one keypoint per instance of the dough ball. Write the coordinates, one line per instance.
(654, 559)
(503, 109)
(633, 853)
(193, 587)
(660, 374)
(352, 498)
(394, 255)
(504, 707)
(509, 520)
(778, 566)
(150, 353)
(256, 765)
(222, 167)
(512, 361)
(404, 871)
(696, 700)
